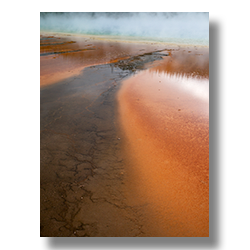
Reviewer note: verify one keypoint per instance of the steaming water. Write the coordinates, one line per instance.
(179, 28)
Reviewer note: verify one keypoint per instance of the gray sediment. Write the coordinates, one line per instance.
(82, 165)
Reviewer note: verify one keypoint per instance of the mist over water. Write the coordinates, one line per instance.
(180, 27)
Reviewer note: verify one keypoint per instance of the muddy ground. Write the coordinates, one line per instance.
(82, 166)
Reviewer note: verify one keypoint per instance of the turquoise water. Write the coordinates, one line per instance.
(180, 27)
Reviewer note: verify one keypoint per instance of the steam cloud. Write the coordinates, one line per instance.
(180, 27)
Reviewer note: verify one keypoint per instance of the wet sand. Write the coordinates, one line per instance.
(95, 177)
(166, 129)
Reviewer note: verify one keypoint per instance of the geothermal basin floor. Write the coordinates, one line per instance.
(108, 167)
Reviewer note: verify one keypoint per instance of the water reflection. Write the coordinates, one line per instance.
(186, 69)
(189, 62)
(193, 84)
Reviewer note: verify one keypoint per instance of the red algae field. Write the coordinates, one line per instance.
(164, 114)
